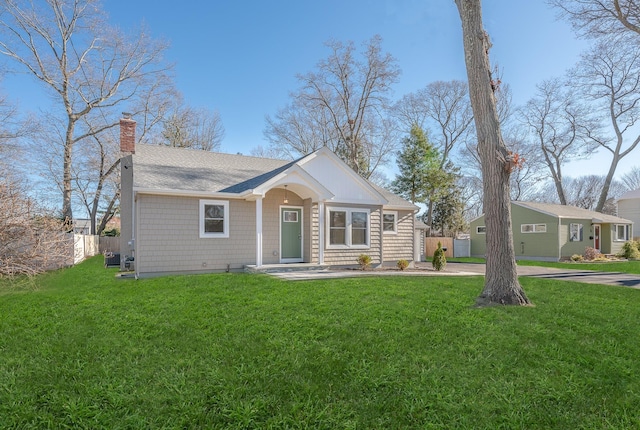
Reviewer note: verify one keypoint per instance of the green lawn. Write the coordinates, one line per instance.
(81, 349)
(605, 266)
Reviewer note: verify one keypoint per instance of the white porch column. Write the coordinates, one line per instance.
(321, 229)
(259, 232)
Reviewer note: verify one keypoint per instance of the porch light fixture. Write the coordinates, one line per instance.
(286, 200)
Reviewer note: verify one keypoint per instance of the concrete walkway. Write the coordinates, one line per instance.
(471, 269)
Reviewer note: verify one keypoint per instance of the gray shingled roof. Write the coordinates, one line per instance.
(180, 169)
(167, 168)
(564, 211)
(393, 199)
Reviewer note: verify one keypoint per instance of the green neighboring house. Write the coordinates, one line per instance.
(550, 232)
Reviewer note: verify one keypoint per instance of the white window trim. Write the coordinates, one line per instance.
(626, 232)
(481, 232)
(534, 230)
(580, 232)
(348, 244)
(225, 222)
(395, 222)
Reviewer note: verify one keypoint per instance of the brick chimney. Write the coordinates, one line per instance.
(127, 134)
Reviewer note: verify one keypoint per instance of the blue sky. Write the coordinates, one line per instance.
(241, 57)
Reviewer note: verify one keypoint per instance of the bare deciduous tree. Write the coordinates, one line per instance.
(441, 107)
(188, 127)
(31, 241)
(608, 77)
(631, 179)
(601, 17)
(67, 46)
(583, 192)
(501, 279)
(342, 105)
(559, 126)
(299, 129)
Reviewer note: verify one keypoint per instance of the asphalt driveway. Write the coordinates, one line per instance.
(586, 276)
(475, 269)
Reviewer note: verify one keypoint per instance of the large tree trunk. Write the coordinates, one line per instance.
(67, 211)
(501, 279)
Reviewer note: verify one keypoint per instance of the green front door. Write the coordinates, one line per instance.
(290, 235)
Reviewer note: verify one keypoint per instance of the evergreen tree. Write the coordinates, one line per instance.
(418, 161)
(448, 213)
(421, 178)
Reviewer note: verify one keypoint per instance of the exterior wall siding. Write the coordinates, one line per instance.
(399, 246)
(543, 246)
(478, 241)
(606, 238)
(569, 248)
(126, 208)
(168, 237)
(630, 209)
(534, 245)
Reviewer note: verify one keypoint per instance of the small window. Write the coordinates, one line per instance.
(389, 225)
(575, 232)
(290, 216)
(622, 232)
(533, 228)
(481, 229)
(214, 218)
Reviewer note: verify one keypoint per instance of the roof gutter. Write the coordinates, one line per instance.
(190, 193)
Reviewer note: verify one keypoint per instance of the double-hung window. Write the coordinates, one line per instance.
(622, 232)
(575, 232)
(348, 228)
(214, 218)
(337, 227)
(390, 222)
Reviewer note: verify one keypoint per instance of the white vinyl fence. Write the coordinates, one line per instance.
(82, 246)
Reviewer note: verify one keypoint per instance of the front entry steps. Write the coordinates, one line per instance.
(288, 267)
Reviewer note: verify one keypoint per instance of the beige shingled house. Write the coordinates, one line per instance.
(190, 211)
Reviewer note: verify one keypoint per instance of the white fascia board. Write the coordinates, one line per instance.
(401, 208)
(294, 175)
(189, 193)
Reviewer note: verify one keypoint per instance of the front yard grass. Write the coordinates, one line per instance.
(82, 349)
(632, 266)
